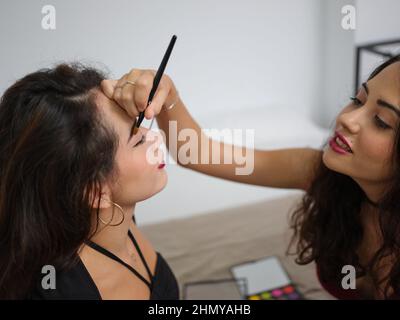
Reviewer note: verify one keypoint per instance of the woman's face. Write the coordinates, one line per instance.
(138, 159)
(369, 125)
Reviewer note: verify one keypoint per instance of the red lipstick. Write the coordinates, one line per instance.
(162, 165)
(340, 144)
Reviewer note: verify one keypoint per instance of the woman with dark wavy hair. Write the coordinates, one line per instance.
(71, 173)
(350, 213)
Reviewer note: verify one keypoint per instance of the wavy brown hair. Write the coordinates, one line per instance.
(328, 228)
(55, 152)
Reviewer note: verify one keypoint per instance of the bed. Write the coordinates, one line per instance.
(204, 247)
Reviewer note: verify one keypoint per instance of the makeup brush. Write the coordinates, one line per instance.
(156, 81)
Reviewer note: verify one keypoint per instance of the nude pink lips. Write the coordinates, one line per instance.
(339, 144)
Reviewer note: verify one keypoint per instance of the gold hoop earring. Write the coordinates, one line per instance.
(112, 216)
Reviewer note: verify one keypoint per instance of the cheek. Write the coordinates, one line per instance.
(132, 164)
(138, 179)
(374, 157)
(376, 147)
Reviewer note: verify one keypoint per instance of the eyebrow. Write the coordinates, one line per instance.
(134, 123)
(383, 103)
(365, 87)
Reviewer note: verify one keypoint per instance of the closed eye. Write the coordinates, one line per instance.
(142, 140)
(381, 124)
(356, 101)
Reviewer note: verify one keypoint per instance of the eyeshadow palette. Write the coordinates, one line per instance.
(221, 289)
(288, 292)
(266, 279)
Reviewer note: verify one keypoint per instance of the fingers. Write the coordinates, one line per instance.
(158, 101)
(132, 91)
(123, 95)
(108, 86)
(142, 91)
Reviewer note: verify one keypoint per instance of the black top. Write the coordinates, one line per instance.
(76, 283)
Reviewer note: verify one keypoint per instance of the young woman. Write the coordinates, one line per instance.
(70, 176)
(350, 213)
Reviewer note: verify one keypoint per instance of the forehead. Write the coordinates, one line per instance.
(110, 109)
(387, 83)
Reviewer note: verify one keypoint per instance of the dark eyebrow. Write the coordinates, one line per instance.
(365, 87)
(133, 126)
(385, 104)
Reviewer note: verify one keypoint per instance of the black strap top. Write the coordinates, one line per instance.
(109, 254)
(76, 283)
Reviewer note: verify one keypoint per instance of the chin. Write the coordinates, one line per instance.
(159, 185)
(337, 164)
(163, 180)
(331, 161)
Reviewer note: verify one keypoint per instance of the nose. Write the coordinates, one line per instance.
(154, 150)
(153, 136)
(350, 120)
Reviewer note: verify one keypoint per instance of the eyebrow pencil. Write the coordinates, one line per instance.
(157, 79)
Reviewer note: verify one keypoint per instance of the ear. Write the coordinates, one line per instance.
(104, 198)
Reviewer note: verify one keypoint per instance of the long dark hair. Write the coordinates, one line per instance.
(328, 227)
(55, 152)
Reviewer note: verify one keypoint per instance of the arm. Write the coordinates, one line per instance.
(292, 168)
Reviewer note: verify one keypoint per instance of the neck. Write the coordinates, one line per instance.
(373, 192)
(114, 238)
(371, 203)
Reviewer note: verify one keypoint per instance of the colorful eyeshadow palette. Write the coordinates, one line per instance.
(266, 279)
(288, 292)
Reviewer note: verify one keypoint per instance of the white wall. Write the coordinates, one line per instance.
(229, 54)
(337, 62)
(377, 20)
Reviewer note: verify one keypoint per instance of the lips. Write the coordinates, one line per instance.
(162, 165)
(342, 142)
